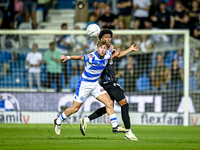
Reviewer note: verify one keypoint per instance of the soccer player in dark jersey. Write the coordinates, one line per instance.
(109, 82)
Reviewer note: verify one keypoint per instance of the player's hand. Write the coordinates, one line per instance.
(111, 47)
(177, 18)
(63, 58)
(117, 52)
(136, 7)
(135, 47)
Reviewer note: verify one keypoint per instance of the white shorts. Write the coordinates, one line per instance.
(84, 89)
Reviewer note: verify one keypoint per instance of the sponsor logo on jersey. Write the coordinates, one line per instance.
(90, 56)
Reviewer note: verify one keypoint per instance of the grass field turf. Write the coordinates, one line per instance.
(98, 137)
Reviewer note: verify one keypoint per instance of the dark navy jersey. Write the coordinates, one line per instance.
(108, 74)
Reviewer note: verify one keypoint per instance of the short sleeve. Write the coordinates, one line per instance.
(45, 56)
(40, 56)
(149, 2)
(87, 57)
(68, 39)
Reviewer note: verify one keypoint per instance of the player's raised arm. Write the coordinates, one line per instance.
(133, 47)
(74, 57)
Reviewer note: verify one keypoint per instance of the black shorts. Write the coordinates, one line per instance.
(114, 90)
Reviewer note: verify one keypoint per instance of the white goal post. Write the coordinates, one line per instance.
(185, 33)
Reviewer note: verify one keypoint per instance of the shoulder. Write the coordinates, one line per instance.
(109, 50)
(39, 54)
(148, 1)
(47, 52)
(58, 52)
(165, 66)
(28, 55)
(174, 12)
(112, 15)
(197, 26)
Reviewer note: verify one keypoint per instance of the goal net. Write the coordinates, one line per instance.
(163, 77)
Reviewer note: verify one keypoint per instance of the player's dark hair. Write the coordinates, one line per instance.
(35, 44)
(105, 31)
(163, 2)
(63, 24)
(103, 42)
(51, 43)
(172, 64)
(178, 2)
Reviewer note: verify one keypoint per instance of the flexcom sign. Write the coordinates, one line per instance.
(161, 119)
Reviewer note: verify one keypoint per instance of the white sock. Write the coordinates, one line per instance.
(87, 119)
(129, 132)
(61, 118)
(113, 120)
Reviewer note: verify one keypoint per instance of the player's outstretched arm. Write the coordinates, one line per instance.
(133, 47)
(74, 57)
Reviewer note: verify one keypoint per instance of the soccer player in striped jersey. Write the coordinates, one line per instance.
(88, 84)
(109, 83)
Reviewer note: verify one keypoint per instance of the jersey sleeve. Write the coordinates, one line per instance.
(87, 57)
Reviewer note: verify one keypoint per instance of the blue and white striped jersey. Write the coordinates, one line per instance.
(94, 66)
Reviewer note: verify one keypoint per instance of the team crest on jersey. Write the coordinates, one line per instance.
(90, 56)
(102, 90)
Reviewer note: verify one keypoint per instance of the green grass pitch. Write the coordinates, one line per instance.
(98, 137)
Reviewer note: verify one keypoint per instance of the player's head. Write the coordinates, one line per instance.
(178, 4)
(162, 5)
(34, 47)
(130, 60)
(52, 46)
(102, 48)
(106, 34)
(160, 58)
(174, 63)
(64, 26)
